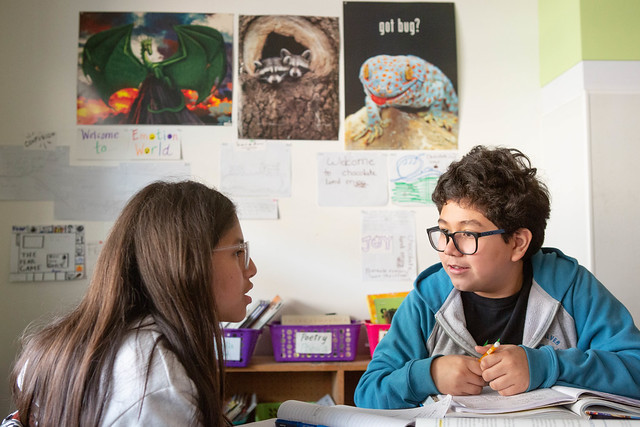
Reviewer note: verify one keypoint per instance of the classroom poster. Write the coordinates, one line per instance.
(388, 246)
(288, 74)
(155, 68)
(401, 77)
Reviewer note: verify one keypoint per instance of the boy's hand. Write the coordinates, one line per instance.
(457, 375)
(506, 369)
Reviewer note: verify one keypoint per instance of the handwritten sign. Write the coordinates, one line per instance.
(40, 140)
(313, 342)
(352, 179)
(388, 245)
(129, 144)
(232, 347)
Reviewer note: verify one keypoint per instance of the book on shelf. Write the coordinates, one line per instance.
(239, 406)
(274, 307)
(315, 319)
(253, 316)
(556, 401)
(382, 307)
(259, 313)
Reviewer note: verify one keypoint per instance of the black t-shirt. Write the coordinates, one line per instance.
(490, 319)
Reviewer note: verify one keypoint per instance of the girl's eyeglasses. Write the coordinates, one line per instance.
(243, 252)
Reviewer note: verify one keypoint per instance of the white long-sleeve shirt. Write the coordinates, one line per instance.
(170, 398)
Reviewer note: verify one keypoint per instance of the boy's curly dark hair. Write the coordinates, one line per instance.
(501, 184)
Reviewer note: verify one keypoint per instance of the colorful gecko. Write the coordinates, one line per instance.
(403, 81)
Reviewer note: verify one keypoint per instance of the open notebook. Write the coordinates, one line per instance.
(560, 406)
(551, 401)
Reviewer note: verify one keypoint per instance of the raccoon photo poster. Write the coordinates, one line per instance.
(149, 68)
(401, 76)
(288, 70)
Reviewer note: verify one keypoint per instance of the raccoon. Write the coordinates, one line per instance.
(297, 64)
(271, 70)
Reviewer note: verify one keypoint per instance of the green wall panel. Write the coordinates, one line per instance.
(586, 30)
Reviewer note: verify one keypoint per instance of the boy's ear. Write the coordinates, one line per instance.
(521, 240)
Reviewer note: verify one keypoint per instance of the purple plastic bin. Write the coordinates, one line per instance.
(248, 340)
(344, 342)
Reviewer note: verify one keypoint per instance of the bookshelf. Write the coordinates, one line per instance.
(307, 381)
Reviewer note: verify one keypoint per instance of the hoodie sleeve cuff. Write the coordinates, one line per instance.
(420, 381)
(543, 367)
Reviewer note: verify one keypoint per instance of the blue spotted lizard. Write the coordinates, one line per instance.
(404, 81)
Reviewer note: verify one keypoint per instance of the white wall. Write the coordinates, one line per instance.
(311, 256)
(589, 134)
(615, 149)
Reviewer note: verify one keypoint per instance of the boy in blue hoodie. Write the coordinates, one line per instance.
(556, 323)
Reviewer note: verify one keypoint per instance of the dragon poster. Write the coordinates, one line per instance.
(401, 77)
(154, 68)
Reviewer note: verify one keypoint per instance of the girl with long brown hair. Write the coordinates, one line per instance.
(144, 345)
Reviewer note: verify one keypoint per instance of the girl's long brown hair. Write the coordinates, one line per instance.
(156, 261)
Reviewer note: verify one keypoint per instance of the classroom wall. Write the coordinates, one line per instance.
(586, 30)
(310, 256)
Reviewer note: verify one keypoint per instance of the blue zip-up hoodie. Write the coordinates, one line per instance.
(576, 333)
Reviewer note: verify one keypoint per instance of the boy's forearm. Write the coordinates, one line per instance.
(585, 369)
(405, 387)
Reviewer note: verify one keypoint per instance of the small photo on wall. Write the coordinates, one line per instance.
(288, 77)
(155, 68)
(401, 76)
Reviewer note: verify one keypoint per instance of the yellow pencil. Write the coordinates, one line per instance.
(491, 350)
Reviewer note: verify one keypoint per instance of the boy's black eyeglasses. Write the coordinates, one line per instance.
(466, 242)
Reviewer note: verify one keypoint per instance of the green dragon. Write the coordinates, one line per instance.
(200, 63)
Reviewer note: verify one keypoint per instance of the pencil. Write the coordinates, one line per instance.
(491, 350)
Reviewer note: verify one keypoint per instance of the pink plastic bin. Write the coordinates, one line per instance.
(375, 332)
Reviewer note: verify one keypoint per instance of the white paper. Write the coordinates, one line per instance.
(261, 172)
(313, 342)
(520, 422)
(388, 246)
(31, 175)
(256, 208)
(232, 347)
(100, 193)
(95, 193)
(352, 179)
(138, 143)
(351, 416)
(413, 176)
(492, 402)
(43, 253)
